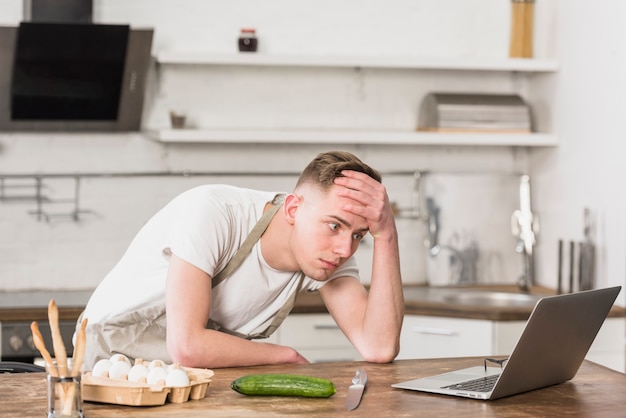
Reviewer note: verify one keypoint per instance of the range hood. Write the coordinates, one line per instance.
(76, 11)
(59, 72)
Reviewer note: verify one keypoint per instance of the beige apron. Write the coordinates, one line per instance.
(142, 333)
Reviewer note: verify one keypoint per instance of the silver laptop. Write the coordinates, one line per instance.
(552, 347)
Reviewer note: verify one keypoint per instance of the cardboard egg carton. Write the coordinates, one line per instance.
(123, 392)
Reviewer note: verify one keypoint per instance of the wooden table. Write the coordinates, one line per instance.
(595, 391)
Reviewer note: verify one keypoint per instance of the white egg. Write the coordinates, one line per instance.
(102, 367)
(177, 377)
(121, 357)
(119, 370)
(138, 373)
(157, 376)
(156, 364)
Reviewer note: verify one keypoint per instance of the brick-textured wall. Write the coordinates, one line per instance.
(66, 254)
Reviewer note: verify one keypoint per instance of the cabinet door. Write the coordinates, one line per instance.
(609, 348)
(506, 334)
(437, 337)
(317, 337)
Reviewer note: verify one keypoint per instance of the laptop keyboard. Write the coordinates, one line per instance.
(482, 384)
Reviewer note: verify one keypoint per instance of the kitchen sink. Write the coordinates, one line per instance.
(472, 297)
(488, 298)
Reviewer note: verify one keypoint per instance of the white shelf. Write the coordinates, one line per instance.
(260, 59)
(352, 137)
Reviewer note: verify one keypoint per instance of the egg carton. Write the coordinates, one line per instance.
(122, 392)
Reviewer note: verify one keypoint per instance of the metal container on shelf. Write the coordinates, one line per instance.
(471, 112)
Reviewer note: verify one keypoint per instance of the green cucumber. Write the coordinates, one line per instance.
(283, 385)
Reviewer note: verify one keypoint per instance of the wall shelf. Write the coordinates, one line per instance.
(352, 137)
(418, 63)
(283, 136)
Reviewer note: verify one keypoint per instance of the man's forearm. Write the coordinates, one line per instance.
(214, 349)
(385, 306)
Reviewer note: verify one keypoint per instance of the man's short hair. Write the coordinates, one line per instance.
(327, 166)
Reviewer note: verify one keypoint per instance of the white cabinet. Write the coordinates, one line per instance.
(317, 337)
(439, 337)
(609, 347)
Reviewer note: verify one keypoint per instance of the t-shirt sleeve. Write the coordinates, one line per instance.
(199, 235)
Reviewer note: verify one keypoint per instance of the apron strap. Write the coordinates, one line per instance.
(236, 261)
(282, 313)
(251, 239)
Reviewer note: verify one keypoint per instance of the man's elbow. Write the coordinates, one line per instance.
(384, 354)
(183, 354)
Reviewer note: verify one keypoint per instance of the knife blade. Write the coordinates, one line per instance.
(355, 391)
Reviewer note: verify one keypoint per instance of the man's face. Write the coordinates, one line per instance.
(324, 235)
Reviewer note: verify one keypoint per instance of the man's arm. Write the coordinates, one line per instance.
(371, 320)
(188, 303)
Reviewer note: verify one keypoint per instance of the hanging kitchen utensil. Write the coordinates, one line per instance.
(572, 255)
(586, 268)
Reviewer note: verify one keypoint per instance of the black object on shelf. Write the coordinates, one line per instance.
(248, 41)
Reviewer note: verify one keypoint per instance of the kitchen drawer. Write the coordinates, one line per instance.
(436, 337)
(609, 347)
(611, 337)
(326, 355)
(312, 331)
(506, 335)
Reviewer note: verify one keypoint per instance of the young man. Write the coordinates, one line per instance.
(220, 265)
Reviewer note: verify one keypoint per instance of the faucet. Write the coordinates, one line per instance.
(432, 221)
(524, 225)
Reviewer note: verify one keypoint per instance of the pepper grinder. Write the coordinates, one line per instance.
(522, 16)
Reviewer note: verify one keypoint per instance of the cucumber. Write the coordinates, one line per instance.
(283, 385)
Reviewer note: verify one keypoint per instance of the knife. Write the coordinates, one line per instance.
(355, 391)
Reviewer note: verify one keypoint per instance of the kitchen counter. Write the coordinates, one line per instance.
(594, 391)
(419, 300)
(434, 301)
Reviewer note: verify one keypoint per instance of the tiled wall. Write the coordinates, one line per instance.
(63, 253)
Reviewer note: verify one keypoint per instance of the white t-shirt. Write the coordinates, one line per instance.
(204, 226)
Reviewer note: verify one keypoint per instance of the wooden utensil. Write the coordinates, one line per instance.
(57, 339)
(79, 349)
(41, 346)
(522, 17)
(79, 354)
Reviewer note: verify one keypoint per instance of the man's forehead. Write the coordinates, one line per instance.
(328, 204)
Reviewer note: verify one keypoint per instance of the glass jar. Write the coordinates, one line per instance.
(248, 41)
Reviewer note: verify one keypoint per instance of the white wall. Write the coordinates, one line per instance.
(65, 254)
(587, 169)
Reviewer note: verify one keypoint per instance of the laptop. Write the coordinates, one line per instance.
(551, 349)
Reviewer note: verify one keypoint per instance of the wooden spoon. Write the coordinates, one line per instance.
(41, 346)
(57, 339)
(79, 350)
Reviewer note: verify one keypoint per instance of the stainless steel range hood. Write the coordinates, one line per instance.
(59, 72)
